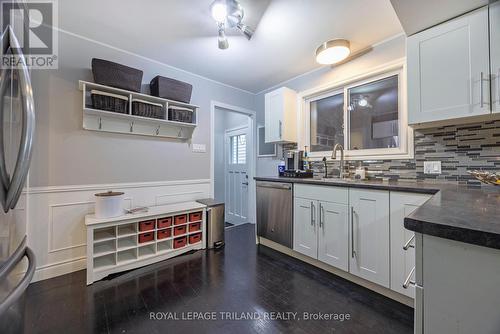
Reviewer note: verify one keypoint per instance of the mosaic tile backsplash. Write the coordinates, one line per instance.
(459, 148)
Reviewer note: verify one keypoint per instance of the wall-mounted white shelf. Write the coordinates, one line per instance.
(107, 121)
(113, 244)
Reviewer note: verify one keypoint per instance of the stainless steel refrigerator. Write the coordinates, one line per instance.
(17, 126)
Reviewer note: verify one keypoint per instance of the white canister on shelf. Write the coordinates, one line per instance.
(109, 204)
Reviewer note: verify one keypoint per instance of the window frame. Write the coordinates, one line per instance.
(405, 149)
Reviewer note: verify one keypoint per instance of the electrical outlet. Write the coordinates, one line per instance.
(432, 167)
(199, 148)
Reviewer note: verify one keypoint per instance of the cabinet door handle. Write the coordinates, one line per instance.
(321, 216)
(408, 280)
(312, 213)
(408, 244)
(280, 129)
(481, 93)
(353, 252)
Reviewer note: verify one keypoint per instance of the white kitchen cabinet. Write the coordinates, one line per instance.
(369, 248)
(305, 237)
(448, 70)
(333, 241)
(495, 55)
(321, 224)
(281, 116)
(403, 260)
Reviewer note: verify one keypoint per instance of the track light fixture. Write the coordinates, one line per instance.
(229, 14)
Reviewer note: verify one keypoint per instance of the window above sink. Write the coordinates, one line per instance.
(367, 115)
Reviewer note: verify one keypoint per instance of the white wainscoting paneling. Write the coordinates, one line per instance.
(56, 229)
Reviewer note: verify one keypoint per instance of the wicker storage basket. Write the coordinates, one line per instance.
(109, 102)
(171, 89)
(147, 109)
(116, 75)
(180, 114)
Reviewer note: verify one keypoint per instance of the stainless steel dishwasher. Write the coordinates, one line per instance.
(275, 212)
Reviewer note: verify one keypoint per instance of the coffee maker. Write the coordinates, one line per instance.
(294, 165)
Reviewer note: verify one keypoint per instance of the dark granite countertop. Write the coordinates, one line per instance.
(455, 212)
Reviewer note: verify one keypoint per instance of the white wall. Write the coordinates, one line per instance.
(224, 120)
(382, 53)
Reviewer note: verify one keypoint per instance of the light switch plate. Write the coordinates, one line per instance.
(199, 148)
(432, 167)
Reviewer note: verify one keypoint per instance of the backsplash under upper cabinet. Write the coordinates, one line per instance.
(459, 148)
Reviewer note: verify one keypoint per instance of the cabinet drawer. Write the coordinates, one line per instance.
(322, 193)
(179, 230)
(195, 216)
(181, 219)
(164, 222)
(147, 225)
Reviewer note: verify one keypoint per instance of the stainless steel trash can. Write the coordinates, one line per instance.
(215, 222)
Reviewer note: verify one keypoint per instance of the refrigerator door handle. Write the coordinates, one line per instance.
(4, 176)
(9, 265)
(28, 125)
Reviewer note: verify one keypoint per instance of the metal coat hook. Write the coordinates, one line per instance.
(132, 126)
(158, 130)
(100, 123)
(180, 133)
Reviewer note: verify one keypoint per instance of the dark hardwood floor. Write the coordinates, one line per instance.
(242, 277)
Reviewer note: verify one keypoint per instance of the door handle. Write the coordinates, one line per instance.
(408, 280)
(312, 213)
(481, 93)
(15, 186)
(353, 252)
(321, 216)
(245, 183)
(408, 244)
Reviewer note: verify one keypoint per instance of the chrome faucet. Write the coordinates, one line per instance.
(334, 156)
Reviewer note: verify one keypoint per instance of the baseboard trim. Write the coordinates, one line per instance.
(59, 268)
(355, 279)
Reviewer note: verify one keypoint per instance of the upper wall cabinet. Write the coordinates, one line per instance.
(448, 70)
(495, 55)
(281, 116)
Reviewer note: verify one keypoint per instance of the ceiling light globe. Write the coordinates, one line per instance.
(219, 11)
(333, 51)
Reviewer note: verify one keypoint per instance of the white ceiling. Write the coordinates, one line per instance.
(181, 33)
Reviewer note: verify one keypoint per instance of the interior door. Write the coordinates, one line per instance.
(305, 236)
(448, 68)
(333, 235)
(495, 54)
(236, 178)
(369, 256)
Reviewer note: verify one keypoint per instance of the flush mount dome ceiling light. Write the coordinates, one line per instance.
(229, 14)
(333, 51)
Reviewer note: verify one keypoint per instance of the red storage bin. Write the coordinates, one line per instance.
(180, 242)
(194, 227)
(180, 230)
(163, 234)
(146, 237)
(195, 216)
(147, 225)
(164, 222)
(195, 238)
(181, 219)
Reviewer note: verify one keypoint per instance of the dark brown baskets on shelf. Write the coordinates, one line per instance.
(180, 114)
(171, 89)
(147, 109)
(116, 75)
(109, 102)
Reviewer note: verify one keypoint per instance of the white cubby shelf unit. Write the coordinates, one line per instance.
(108, 121)
(113, 244)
